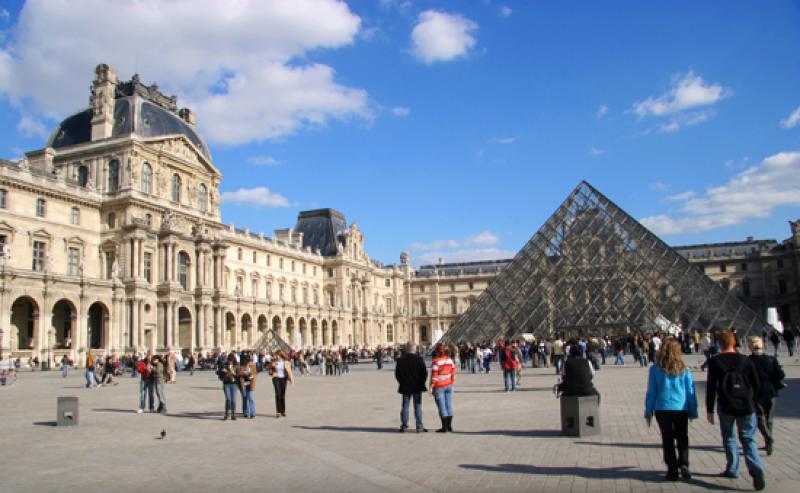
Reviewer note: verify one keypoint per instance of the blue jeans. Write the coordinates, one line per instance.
(747, 429)
(471, 365)
(487, 364)
(90, 382)
(248, 402)
(444, 400)
(230, 396)
(557, 361)
(509, 376)
(417, 410)
(619, 359)
(146, 394)
(64, 370)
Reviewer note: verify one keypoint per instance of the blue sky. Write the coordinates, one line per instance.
(448, 129)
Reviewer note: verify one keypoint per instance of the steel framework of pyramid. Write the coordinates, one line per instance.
(593, 269)
(271, 342)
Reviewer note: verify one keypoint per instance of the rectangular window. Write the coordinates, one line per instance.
(315, 270)
(255, 257)
(388, 283)
(292, 265)
(73, 259)
(76, 216)
(330, 272)
(41, 208)
(268, 260)
(254, 288)
(305, 296)
(280, 263)
(39, 252)
(269, 290)
(3, 197)
(3, 241)
(148, 266)
(109, 264)
(723, 268)
(304, 268)
(422, 288)
(744, 266)
(281, 290)
(423, 307)
(452, 287)
(471, 285)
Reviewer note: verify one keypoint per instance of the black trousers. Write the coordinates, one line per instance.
(674, 426)
(764, 411)
(280, 394)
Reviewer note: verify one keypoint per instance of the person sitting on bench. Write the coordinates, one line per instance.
(576, 376)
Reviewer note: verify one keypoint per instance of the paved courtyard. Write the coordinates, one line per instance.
(340, 436)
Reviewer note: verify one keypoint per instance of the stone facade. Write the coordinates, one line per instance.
(111, 241)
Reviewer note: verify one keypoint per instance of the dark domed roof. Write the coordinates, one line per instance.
(132, 114)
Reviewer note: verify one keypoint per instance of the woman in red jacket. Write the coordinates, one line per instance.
(443, 376)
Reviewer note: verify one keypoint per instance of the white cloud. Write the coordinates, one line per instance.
(752, 194)
(792, 120)
(242, 66)
(503, 140)
(441, 36)
(505, 11)
(484, 238)
(5, 14)
(467, 255)
(400, 111)
(31, 126)
(680, 197)
(255, 197)
(660, 186)
(264, 161)
(435, 245)
(602, 111)
(594, 152)
(688, 91)
(682, 120)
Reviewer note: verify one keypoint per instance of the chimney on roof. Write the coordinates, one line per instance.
(102, 101)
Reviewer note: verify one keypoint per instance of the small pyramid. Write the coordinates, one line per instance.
(271, 342)
(593, 269)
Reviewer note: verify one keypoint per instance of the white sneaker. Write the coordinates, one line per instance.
(139, 411)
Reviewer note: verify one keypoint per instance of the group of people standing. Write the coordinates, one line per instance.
(239, 377)
(741, 394)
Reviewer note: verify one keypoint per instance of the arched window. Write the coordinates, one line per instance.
(147, 178)
(111, 220)
(113, 176)
(176, 188)
(83, 176)
(389, 333)
(183, 270)
(202, 198)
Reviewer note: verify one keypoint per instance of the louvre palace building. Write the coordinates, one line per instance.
(111, 241)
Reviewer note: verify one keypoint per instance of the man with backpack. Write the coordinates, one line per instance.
(509, 361)
(733, 385)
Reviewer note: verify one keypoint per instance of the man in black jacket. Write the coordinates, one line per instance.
(733, 384)
(411, 374)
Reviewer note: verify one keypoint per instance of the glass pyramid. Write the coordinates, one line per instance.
(592, 269)
(271, 342)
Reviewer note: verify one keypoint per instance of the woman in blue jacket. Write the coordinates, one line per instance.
(672, 399)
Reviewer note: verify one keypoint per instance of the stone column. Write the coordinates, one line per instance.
(166, 263)
(175, 323)
(134, 328)
(217, 327)
(201, 326)
(135, 259)
(167, 324)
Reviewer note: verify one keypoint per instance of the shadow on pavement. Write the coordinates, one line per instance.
(357, 429)
(621, 472)
(109, 410)
(716, 448)
(502, 391)
(46, 423)
(514, 433)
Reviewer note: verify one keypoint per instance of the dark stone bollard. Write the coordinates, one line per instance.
(580, 416)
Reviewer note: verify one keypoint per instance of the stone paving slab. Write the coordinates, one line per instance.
(340, 435)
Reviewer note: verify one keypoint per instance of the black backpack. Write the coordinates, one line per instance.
(736, 391)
